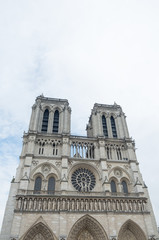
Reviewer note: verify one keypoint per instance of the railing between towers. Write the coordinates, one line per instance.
(82, 149)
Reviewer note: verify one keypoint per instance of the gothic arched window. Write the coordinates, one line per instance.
(113, 186)
(45, 121)
(51, 185)
(114, 132)
(105, 130)
(56, 122)
(125, 187)
(37, 186)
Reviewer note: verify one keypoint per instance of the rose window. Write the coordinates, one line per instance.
(83, 180)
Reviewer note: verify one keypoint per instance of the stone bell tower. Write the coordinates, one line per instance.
(78, 188)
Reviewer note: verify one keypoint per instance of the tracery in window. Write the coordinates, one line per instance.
(56, 122)
(51, 185)
(125, 187)
(45, 121)
(114, 132)
(113, 186)
(83, 180)
(37, 185)
(105, 130)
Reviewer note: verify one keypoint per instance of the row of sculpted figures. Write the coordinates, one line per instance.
(39, 203)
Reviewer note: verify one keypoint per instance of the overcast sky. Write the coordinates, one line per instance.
(85, 51)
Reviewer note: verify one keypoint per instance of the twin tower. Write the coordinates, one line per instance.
(78, 188)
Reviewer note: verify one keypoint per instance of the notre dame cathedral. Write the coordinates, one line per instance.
(77, 187)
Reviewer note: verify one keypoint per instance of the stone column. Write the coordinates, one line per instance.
(65, 156)
(66, 123)
(109, 127)
(100, 127)
(36, 116)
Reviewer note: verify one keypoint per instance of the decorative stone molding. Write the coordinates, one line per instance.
(118, 172)
(31, 139)
(58, 164)
(113, 237)
(126, 166)
(109, 166)
(70, 162)
(25, 177)
(83, 180)
(64, 178)
(90, 226)
(52, 203)
(131, 230)
(138, 182)
(41, 230)
(65, 140)
(105, 180)
(152, 237)
(62, 238)
(97, 164)
(41, 141)
(35, 163)
(46, 168)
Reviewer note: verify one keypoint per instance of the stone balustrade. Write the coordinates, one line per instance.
(51, 203)
(82, 149)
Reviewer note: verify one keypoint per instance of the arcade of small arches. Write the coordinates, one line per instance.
(86, 228)
(86, 149)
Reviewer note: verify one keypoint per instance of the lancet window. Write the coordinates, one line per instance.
(113, 186)
(37, 186)
(105, 130)
(114, 132)
(56, 122)
(51, 185)
(45, 121)
(125, 187)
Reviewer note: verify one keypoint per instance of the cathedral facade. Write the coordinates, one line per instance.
(78, 188)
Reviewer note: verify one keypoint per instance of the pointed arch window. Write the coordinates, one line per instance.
(51, 185)
(45, 121)
(125, 187)
(56, 122)
(113, 186)
(104, 123)
(114, 132)
(37, 186)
